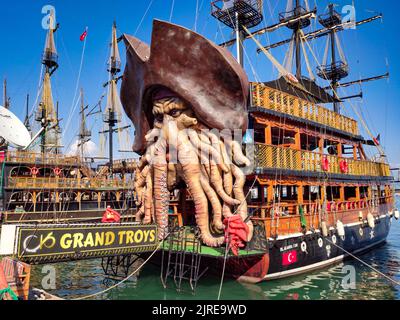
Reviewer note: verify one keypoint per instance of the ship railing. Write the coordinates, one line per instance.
(283, 158)
(130, 164)
(271, 99)
(67, 183)
(284, 219)
(38, 158)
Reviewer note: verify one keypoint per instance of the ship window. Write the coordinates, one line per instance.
(333, 193)
(282, 137)
(309, 143)
(364, 192)
(259, 134)
(350, 193)
(254, 194)
(382, 192)
(286, 193)
(312, 193)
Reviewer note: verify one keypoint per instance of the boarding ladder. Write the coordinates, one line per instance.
(181, 258)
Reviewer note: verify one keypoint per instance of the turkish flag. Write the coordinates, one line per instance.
(84, 35)
(289, 258)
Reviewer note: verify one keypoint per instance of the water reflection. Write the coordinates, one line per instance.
(87, 277)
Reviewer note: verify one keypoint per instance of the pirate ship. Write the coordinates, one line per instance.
(261, 180)
(43, 184)
(300, 196)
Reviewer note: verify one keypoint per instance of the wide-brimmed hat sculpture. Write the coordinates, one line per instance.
(187, 80)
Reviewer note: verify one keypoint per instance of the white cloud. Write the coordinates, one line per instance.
(90, 149)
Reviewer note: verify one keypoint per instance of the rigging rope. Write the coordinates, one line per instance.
(288, 62)
(339, 46)
(197, 16)
(289, 7)
(172, 10)
(364, 263)
(124, 280)
(40, 85)
(310, 72)
(144, 17)
(74, 105)
(275, 62)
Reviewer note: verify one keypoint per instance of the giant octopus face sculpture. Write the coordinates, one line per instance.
(180, 95)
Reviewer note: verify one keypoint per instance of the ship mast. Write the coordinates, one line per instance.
(111, 116)
(337, 69)
(6, 99)
(27, 121)
(237, 14)
(332, 23)
(46, 114)
(297, 28)
(84, 134)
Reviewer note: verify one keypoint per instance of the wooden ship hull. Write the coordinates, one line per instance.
(294, 252)
(294, 255)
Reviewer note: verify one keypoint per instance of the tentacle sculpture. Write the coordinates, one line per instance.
(209, 165)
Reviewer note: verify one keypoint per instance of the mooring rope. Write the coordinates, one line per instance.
(124, 280)
(364, 263)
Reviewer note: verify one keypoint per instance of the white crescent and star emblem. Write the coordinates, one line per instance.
(290, 257)
(372, 234)
(328, 251)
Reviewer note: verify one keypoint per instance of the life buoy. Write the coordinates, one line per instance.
(325, 163)
(344, 166)
(34, 171)
(57, 171)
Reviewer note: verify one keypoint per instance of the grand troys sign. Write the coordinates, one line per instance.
(58, 243)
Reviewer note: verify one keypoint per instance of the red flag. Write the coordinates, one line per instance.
(377, 140)
(111, 216)
(236, 232)
(289, 258)
(84, 35)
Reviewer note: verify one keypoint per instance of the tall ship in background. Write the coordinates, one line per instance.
(43, 184)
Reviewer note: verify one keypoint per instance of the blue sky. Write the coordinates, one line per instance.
(371, 49)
